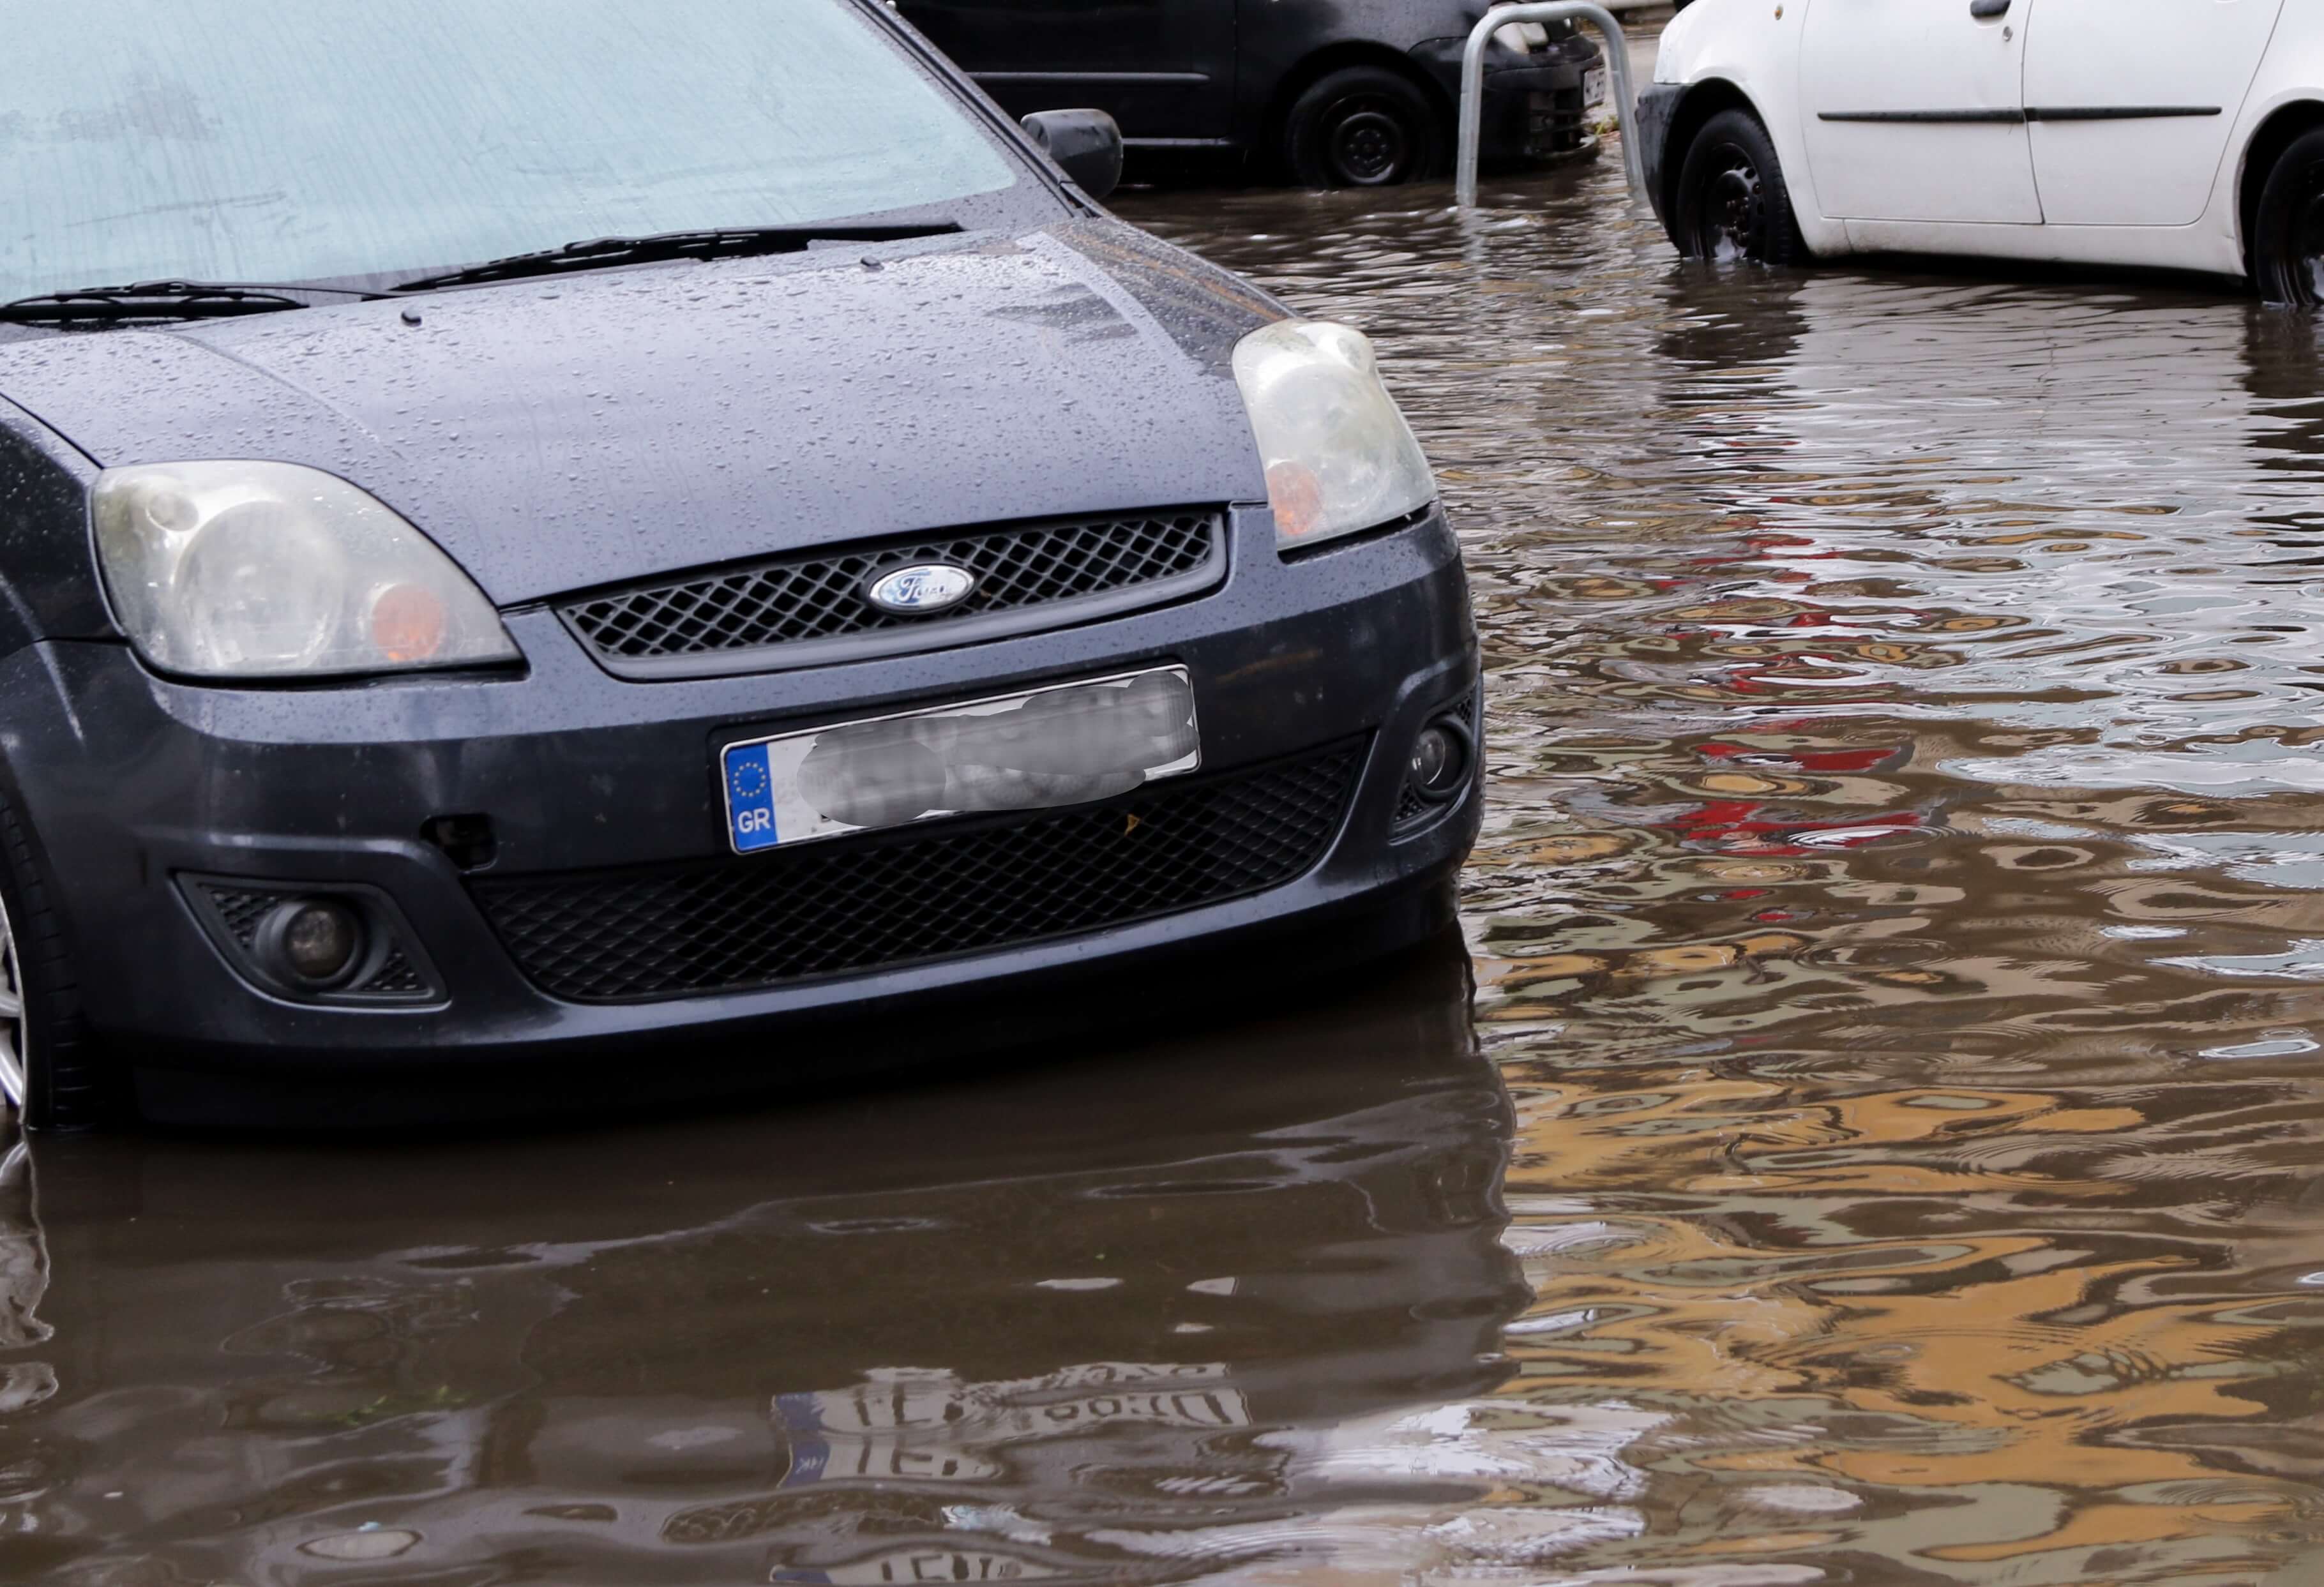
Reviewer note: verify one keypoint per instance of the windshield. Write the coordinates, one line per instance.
(295, 140)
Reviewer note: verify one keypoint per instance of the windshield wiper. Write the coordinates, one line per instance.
(165, 299)
(733, 243)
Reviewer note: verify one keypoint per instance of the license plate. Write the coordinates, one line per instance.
(1068, 744)
(1593, 88)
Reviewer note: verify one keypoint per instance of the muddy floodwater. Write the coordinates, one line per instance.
(1886, 1144)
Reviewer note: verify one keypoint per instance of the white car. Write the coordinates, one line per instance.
(2184, 134)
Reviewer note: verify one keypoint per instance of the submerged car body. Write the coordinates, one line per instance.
(672, 487)
(2104, 132)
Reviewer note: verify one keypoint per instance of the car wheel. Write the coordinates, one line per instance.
(2288, 234)
(1363, 126)
(1732, 202)
(48, 1068)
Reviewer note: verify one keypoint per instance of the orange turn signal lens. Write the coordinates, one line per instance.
(1297, 497)
(408, 623)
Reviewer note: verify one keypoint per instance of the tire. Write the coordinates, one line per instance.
(48, 1067)
(1732, 202)
(2287, 233)
(1363, 126)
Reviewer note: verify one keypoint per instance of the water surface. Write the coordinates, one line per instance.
(1901, 917)
(1888, 1147)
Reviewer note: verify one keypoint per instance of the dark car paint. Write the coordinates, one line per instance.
(575, 432)
(1162, 68)
(132, 780)
(48, 572)
(1220, 73)
(549, 433)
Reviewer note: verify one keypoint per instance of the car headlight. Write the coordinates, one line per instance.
(272, 570)
(1340, 458)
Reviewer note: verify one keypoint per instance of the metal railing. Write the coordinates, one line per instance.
(1472, 84)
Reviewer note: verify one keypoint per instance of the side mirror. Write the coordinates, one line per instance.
(1086, 144)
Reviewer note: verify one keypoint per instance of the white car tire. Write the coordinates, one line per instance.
(2288, 231)
(1732, 202)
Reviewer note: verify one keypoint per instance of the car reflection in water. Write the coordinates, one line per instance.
(1099, 1321)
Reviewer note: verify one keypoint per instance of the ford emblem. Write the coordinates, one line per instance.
(921, 590)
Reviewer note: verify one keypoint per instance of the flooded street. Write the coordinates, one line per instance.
(1901, 921)
(1888, 1147)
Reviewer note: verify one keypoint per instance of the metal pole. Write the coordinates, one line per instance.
(1472, 85)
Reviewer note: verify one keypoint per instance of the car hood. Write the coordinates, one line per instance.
(559, 434)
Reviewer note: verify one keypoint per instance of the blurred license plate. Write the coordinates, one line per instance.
(1064, 745)
(1593, 87)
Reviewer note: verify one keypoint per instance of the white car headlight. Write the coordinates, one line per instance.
(272, 570)
(1340, 458)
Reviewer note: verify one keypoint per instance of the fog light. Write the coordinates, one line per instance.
(1433, 757)
(316, 940)
(1440, 761)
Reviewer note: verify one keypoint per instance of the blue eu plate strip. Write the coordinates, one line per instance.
(751, 799)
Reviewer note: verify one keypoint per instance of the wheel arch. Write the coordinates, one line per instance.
(1316, 65)
(1702, 101)
(2284, 125)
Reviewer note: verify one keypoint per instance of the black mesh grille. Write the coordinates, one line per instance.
(802, 599)
(852, 905)
(240, 910)
(395, 977)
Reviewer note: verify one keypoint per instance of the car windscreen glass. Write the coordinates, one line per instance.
(290, 141)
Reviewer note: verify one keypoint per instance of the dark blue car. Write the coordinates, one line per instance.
(530, 531)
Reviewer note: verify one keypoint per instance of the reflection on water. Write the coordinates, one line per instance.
(1901, 915)
(1133, 1321)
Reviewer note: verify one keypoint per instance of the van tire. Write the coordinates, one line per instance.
(1363, 126)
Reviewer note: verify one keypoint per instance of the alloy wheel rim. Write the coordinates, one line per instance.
(1368, 145)
(13, 1043)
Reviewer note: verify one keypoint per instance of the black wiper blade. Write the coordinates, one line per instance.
(732, 242)
(164, 299)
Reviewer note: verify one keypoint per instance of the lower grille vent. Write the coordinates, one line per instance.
(849, 906)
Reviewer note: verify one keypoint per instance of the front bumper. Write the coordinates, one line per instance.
(1657, 106)
(133, 784)
(1534, 109)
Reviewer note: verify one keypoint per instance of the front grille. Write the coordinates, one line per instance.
(800, 609)
(831, 908)
(1556, 123)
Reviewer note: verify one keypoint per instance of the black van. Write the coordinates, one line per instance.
(1331, 93)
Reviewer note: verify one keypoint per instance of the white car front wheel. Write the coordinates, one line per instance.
(1732, 202)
